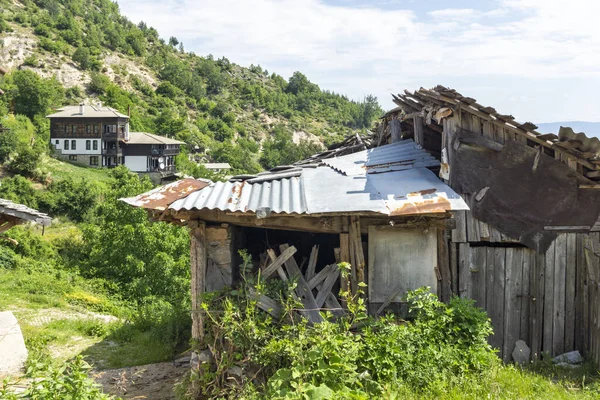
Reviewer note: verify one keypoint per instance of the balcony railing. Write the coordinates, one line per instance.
(166, 170)
(111, 151)
(165, 152)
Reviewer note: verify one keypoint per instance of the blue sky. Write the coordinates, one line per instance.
(536, 59)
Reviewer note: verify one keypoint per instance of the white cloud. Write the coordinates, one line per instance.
(361, 49)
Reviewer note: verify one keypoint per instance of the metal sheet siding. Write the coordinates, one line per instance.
(400, 186)
(399, 156)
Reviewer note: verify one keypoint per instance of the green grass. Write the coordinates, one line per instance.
(58, 314)
(62, 170)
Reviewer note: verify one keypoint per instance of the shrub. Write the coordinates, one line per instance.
(442, 346)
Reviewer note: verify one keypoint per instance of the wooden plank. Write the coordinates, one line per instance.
(395, 293)
(280, 271)
(526, 303)
(303, 291)
(344, 256)
(356, 242)
(512, 311)
(312, 262)
(579, 288)
(560, 266)
(473, 234)
(396, 130)
(198, 262)
(325, 289)
(497, 310)
(489, 278)
(321, 276)
(570, 282)
(477, 271)
(459, 234)
(444, 266)
(464, 278)
(454, 267)
(266, 303)
(275, 265)
(548, 298)
(537, 315)
(418, 126)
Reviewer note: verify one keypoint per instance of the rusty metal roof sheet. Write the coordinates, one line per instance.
(20, 211)
(389, 180)
(399, 156)
(163, 196)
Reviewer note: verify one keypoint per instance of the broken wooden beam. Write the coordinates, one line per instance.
(312, 262)
(278, 262)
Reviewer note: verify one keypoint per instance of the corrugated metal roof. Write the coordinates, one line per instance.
(216, 165)
(279, 196)
(413, 189)
(399, 156)
(20, 211)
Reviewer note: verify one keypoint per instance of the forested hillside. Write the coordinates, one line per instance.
(88, 50)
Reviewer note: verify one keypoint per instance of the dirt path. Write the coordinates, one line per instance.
(152, 381)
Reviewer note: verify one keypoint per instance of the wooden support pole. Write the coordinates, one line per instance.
(419, 134)
(396, 130)
(198, 272)
(444, 266)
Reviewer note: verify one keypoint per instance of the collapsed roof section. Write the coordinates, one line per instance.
(439, 102)
(391, 180)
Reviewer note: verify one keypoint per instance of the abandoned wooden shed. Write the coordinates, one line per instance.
(383, 210)
(528, 251)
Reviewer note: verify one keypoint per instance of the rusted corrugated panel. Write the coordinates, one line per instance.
(23, 212)
(162, 197)
(278, 196)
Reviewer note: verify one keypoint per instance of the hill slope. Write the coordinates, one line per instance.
(212, 104)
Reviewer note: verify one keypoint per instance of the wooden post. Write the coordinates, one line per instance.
(198, 272)
(419, 135)
(444, 266)
(396, 130)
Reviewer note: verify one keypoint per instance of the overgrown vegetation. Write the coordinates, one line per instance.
(439, 351)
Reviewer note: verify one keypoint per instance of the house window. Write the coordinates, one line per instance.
(88, 144)
(94, 160)
(65, 127)
(73, 145)
(73, 130)
(95, 143)
(56, 142)
(88, 129)
(96, 129)
(66, 145)
(72, 157)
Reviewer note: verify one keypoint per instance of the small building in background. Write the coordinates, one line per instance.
(98, 136)
(217, 167)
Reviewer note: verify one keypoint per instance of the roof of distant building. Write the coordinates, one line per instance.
(150, 138)
(216, 165)
(89, 111)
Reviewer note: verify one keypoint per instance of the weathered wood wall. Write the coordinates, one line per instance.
(547, 300)
(550, 300)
